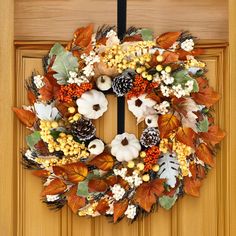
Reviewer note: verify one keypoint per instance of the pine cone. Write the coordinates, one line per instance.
(83, 129)
(123, 83)
(150, 137)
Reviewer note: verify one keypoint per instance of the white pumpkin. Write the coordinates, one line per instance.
(125, 147)
(151, 121)
(103, 82)
(96, 147)
(92, 104)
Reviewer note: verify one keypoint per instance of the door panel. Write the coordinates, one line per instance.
(202, 216)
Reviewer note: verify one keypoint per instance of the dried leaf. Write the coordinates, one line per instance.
(133, 38)
(169, 57)
(167, 123)
(31, 97)
(41, 173)
(147, 193)
(103, 161)
(204, 154)
(192, 186)
(120, 208)
(75, 202)
(186, 136)
(58, 170)
(28, 118)
(111, 180)
(183, 54)
(56, 186)
(154, 97)
(97, 185)
(76, 172)
(166, 40)
(102, 206)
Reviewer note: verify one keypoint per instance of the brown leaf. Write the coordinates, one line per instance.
(167, 123)
(192, 186)
(166, 40)
(206, 95)
(169, 57)
(76, 172)
(102, 206)
(97, 185)
(179, 105)
(59, 171)
(147, 193)
(120, 208)
(75, 202)
(183, 54)
(186, 136)
(42, 148)
(154, 97)
(56, 186)
(28, 118)
(103, 161)
(213, 136)
(31, 97)
(41, 173)
(133, 38)
(111, 180)
(204, 154)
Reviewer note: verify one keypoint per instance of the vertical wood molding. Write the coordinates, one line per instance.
(6, 117)
(231, 122)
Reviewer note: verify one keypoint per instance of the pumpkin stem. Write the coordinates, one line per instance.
(103, 80)
(96, 107)
(138, 103)
(125, 142)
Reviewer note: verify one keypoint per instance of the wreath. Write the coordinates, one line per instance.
(165, 88)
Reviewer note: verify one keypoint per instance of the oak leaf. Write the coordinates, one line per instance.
(103, 161)
(186, 136)
(28, 118)
(76, 172)
(192, 186)
(97, 185)
(204, 154)
(167, 123)
(56, 186)
(147, 193)
(75, 202)
(166, 40)
(119, 209)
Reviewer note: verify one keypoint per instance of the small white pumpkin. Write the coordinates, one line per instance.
(96, 147)
(92, 104)
(151, 121)
(125, 147)
(103, 82)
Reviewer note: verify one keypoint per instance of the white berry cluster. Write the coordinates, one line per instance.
(38, 81)
(89, 60)
(52, 198)
(187, 45)
(122, 172)
(162, 108)
(131, 211)
(75, 79)
(166, 78)
(118, 192)
(166, 91)
(179, 91)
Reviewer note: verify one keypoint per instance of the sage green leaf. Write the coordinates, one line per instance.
(167, 202)
(56, 50)
(202, 126)
(33, 139)
(63, 64)
(83, 189)
(195, 86)
(147, 34)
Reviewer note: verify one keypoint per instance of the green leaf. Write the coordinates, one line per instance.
(33, 139)
(202, 126)
(146, 34)
(167, 202)
(195, 86)
(83, 188)
(56, 50)
(64, 63)
(55, 133)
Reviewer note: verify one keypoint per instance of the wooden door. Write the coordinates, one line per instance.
(38, 25)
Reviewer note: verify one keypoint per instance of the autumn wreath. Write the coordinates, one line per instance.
(165, 87)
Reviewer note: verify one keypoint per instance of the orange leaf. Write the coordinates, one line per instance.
(206, 95)
(192, 186)
(204, 154)
(75, 202)
(167, 123)
(133, 38)
(147, 193)
(58, 170)
(120, 208)
(41, 173)
(166, 40)
(31, 97)
(111, 180)
(56, 186)
(183, 54)
(76, 172)
(213, 136)
(28, 118)
(97, 185)
(102, 206)
(179, 105)
(103, 161)
(186, 136)
(169, 57)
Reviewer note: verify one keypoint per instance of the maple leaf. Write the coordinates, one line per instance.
(147, 193)
(119, 209)
(166, 40)
(28, 118)
(103, 161)
(186, 136)
(102, 206)
(206, 94)
(56, 186)
(192, 186)
(204, 154)
(76, 172)
(41, 173)
(83, 36)
(167, 123)
(213, 136)
(75, 202)
(97, 185)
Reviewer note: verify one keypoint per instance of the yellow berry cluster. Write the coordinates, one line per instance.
(88, 210)
(160, 67)
(134, 57)
(64, 142)
(74, 118)
(163, 146)
(195, 63)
